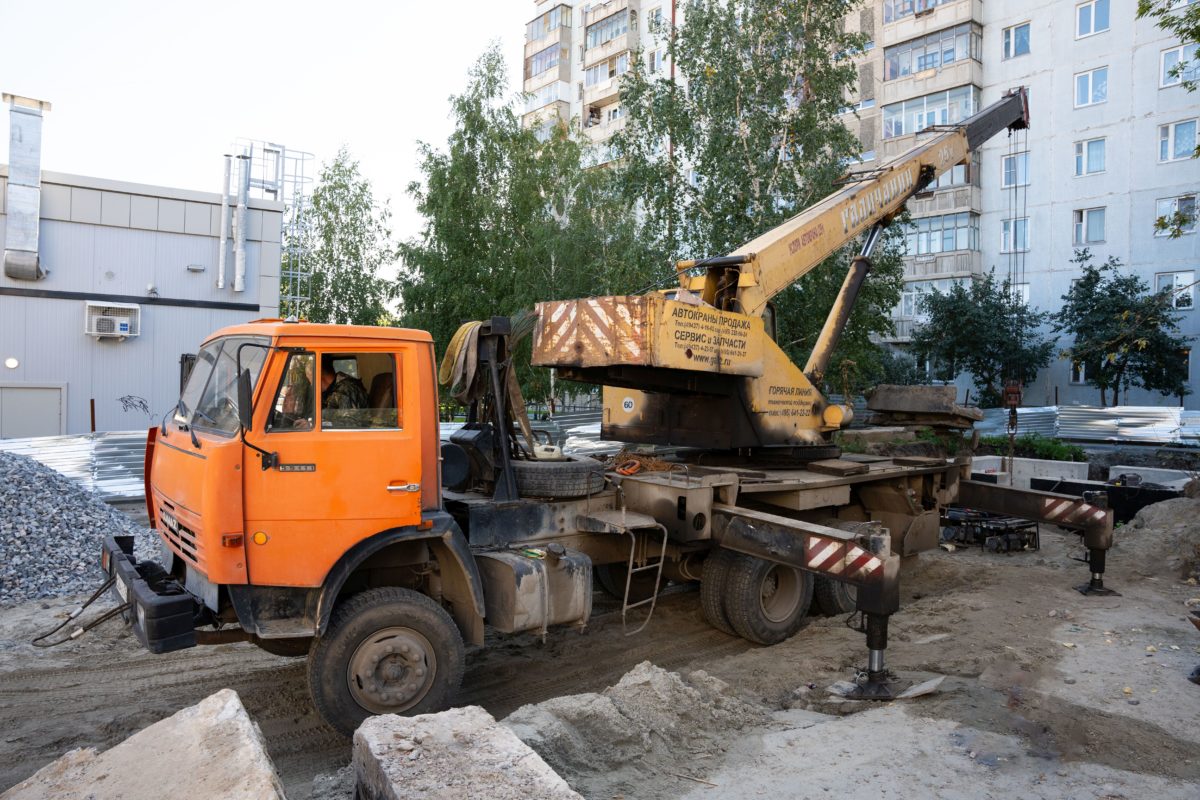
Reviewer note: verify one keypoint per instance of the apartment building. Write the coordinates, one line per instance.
(1108, 151)
(576, 53)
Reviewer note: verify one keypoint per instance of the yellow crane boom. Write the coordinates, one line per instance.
(699, 366)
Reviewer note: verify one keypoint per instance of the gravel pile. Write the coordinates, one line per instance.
(51, 530)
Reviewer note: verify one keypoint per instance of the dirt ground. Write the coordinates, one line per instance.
(1055, 693)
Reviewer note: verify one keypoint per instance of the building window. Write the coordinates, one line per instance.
(1179, 64)
(654, 19)
(1016, 40)
(654, 60)
(941, 108)
(542, 60)
(1078, 372)
(606, 70)
(1091, 87)
(1089, 157)
(1021, 293)
(958, 175)
(933, 51)
(1014, 235)
(911, 294)
(1015, 170)
(1089, 226)
(552, 20)
(615, 113)
(931, 235)
(608, 29)
(899, 9)
(1177, 140)
(1091, 18)
(1179, 284)
(1178, 213)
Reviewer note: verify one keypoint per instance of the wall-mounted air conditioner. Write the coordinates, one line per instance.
(112, 320)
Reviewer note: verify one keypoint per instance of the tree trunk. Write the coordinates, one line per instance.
(1103, 397)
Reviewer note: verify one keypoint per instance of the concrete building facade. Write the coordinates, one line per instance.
(119, 258)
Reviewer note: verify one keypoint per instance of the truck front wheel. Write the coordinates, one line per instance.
(386, 651)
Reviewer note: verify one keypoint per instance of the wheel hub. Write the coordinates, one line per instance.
(391, 670)
(779, 593)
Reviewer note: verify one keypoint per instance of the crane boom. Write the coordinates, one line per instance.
(698, 366)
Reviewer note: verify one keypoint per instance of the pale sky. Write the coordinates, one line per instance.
(154, 92)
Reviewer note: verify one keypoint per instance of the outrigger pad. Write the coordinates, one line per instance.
(1100, 590)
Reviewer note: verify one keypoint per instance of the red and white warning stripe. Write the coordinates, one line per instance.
(1072, 512)
(840, 558)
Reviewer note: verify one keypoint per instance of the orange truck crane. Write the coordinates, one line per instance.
(305, 503)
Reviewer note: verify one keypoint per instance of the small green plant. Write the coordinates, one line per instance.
(1034, 445)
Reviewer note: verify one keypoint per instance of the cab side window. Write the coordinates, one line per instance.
(295, 405)
(359, 391)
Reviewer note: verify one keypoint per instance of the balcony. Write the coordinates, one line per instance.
(903, 327)
(560, 36)
(605, 10)
(601, 132)
(602, 94)
(559, 72)
(953, 264)
(947, 201)
(558, 110)
(967, 71)
(942, 16)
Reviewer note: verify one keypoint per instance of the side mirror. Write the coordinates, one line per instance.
(245, 400)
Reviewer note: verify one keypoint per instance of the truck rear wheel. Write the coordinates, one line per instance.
(386, 651)
(766, 602)
(611, 578)
(713, 580)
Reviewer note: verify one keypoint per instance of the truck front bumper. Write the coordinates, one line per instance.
(161, 612)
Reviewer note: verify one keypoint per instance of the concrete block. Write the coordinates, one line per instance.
(1175, 478)
(210, 750)
(1026, 468)
(456, 754)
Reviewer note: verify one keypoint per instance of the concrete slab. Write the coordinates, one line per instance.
(1174, 478)
(211, 750)
(1026, 468)
(456, 754)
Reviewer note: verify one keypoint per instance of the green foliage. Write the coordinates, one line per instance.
(511, 221)
(749, 136)
(1183, 20)
(983, 328)
(349, 242)
(1124, 335)
(1034, 445)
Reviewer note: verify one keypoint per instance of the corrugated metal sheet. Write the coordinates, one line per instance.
(1040, 420)
(110, 464)
(1122, 423)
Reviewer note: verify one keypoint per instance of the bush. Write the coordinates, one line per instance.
(1034, 445)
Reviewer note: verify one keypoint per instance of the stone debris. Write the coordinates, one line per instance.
(211, 750)
(455, 754)
(651, 724)
(51, 531)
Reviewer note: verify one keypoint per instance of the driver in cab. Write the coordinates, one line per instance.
(341, 396)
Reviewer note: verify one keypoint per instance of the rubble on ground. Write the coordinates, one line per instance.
(210, 750)
(1163, 539)
(622, 737)
(51, 531)
(458, 753)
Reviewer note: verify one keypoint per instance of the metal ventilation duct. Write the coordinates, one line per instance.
(24, 187)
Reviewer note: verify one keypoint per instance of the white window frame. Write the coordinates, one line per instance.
(1091, 76)
(1008, 40)
(1079, 226)
(1008, 230)
(655, 60)
(1174, 201)
(1092, 5)
(1182, 288)
(1081, 157)
(1078, 374)
(1166, 81)
(1171, 126)
(1004, 184)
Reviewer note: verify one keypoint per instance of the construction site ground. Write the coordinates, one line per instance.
(1048, 693)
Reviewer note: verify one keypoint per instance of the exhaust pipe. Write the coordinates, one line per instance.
(21, 260)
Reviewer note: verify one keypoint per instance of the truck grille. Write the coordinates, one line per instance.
(179, 535)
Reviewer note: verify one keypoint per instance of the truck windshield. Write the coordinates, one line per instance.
(209, 400)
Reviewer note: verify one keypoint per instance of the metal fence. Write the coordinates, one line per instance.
(110, 464)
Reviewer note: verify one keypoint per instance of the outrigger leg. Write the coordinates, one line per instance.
(877, 602)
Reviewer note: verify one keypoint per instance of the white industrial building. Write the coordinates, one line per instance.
(1108, 151)
(107, 285)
